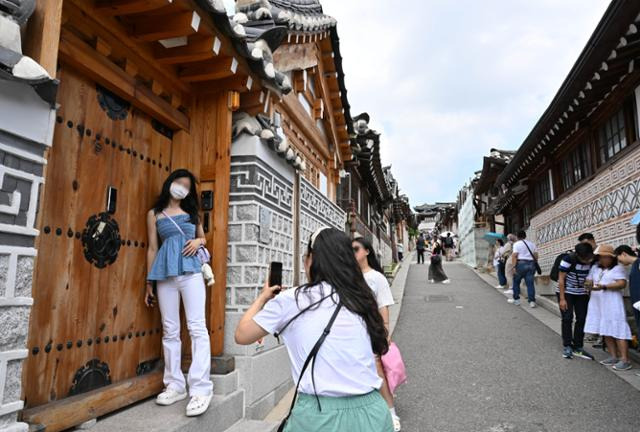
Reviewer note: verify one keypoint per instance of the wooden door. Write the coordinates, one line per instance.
(89, 325)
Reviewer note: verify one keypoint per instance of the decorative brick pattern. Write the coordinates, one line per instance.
(260, 228)
(604, 207)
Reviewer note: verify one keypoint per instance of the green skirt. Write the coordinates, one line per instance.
(366, 413)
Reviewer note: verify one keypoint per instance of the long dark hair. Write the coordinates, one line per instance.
(335, 263)
(372, 259)
(190, 204)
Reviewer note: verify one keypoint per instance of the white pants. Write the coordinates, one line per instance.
(192, 290)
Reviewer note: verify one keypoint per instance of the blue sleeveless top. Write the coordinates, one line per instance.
(169, 260)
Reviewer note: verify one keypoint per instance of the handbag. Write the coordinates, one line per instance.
(394, 368)
(535, 261)
(202, 253)
(311, 357)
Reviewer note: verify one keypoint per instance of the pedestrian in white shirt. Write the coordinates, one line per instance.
(524, 259)
(332, 322)
(377, 281)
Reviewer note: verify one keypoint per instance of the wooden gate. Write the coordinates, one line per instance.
(89, 325)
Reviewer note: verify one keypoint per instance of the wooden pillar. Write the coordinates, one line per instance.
(43, 34)
(215, 114)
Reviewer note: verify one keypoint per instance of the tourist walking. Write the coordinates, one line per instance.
(573, 299)
(420, 247)
(449, 246)
(377, 281)
(176, 271)
(524, 259)
(436, 272)
(507, 252)
(606, 314)
(499, 263)
(627, 257)
(333, 322)
(400, 249)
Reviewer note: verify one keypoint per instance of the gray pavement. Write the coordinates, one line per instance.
(478, 364)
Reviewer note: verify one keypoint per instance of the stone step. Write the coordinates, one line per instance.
(253, 426)
(223, 413)
(225, 384)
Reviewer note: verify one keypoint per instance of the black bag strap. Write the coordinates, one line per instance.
(311, 357)
(529, 249)
(278, 333)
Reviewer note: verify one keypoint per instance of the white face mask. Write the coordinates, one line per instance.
(178, 191)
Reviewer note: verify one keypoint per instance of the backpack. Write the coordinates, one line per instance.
(448, 242)
(569, 256)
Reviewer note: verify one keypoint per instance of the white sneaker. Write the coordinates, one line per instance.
(507, 291)
(396, 423)
(198, 405)
(532, 304)
(432, 281)
(169, 397)
(446, 281)
(498, 286)
(514, 302)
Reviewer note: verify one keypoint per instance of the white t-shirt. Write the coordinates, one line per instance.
(380, 287)
(522, 251)
(345, 364)
(601, 276)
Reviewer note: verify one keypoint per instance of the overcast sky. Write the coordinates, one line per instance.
(445, 81)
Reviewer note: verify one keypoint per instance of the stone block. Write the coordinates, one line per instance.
(246, 254)
(223, 365)
(251, 233)
(245, 296)
(247, 212)
(14, 327)
(235, 233)
(234, 275)
(262, 407)
(263, 373)
(7, 419)
(252, 275)
(232, 213)
(12, 383)
(4, 271)
(24, 276)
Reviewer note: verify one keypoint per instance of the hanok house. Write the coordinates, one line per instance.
(579, 168)
(437, 218)
(367, 194)
(477, 214)
(286, 156)
(145, 87)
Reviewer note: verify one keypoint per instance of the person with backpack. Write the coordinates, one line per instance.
(449, 244)
(525, 260)
(333, 323)
(420, 246)
(573, 299)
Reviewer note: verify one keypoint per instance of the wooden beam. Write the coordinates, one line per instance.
(126, 7)
(252, 99)
(82, 57)
(238, 83)
(74, 410)
(43, 34)
(215, 69)
(199, 48)
(166, 26)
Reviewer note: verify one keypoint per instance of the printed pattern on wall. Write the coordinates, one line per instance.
(603, 207)
(316, 211)
(260, 229)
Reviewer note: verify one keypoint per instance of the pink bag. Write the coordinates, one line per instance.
(394, 369)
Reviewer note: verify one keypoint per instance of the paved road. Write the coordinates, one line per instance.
(492, 367)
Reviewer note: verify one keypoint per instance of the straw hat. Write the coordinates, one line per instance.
(605, 249)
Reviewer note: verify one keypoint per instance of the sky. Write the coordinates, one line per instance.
(446, 81)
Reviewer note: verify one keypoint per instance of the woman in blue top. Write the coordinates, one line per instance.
(176, 270)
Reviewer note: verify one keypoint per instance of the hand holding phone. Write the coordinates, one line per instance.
(275, 275)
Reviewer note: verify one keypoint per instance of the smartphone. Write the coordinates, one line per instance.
(275, 274)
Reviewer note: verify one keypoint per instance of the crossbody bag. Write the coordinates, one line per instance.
(535, 260)
(202, 253)
(310, 358)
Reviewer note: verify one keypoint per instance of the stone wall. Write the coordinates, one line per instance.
(602, 206)
(26, 126)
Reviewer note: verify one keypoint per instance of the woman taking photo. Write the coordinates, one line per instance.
(606, 314)
(332, 322)
(176, 271)
(436, 272)
(377, 281)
